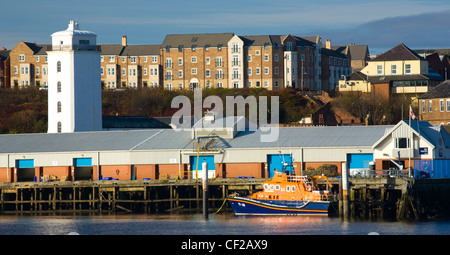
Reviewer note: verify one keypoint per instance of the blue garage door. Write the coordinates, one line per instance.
(82, 162)
(211, 166)
(359, 161)
(278, 162)
(25, 163)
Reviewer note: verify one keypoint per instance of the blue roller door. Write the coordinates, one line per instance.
(211, 165)
(359, 161)
(276, 162)
(82, 162)
(25, 163)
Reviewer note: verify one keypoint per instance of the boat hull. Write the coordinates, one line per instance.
(247, 206)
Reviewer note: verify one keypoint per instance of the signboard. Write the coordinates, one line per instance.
(423, 151)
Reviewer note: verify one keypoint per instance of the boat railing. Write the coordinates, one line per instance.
(297, 178)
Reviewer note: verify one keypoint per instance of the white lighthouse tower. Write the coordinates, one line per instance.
(74, 87)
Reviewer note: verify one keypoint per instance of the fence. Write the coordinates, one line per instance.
(431, 169)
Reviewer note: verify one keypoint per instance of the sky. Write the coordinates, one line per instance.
(380, 24)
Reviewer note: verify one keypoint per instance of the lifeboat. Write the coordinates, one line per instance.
(285, 194)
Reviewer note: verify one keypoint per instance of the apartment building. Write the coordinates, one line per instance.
(28, 65)
(435, 105)
(4, 68)
(397, 71)
(230, 61)
(130, 66)
(190, 61)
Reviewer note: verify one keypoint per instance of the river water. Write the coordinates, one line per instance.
(214, 224)
(225, 233)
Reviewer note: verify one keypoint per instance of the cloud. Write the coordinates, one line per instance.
(427, 30)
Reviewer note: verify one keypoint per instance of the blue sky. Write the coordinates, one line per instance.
(380, 24)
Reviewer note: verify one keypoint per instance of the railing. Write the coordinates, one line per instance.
(366, 173)
(76, 47)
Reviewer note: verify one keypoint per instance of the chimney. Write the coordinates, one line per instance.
(124, 40)
(328, 44)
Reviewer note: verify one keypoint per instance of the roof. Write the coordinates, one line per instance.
(167, 139)
(440, 91)
(409, 77)
(399, 52)
(39, 49)
(431, 133)
(141, 50)
(199, 40)
(125, 122)
(356, 76)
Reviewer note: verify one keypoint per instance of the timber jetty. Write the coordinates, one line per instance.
(369, 198)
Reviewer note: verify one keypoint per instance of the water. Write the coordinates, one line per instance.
(219, 224)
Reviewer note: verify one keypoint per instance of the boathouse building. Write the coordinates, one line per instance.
(230, 153)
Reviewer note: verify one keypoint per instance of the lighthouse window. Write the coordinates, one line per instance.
(59, 86)
(59, 126)
(59, 106)
(58, 66)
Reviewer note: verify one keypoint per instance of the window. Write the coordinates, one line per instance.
(58, 67)
(430, 106)
(168, 63)
(249, 71)
(401, 143)
(407, 69)
(258, 70)
(277, 70)
(111, 59)
(180, 74)
(379, 69)
(59, 107)
(423, 106)
(219, 62)
(289, 46)
(58, 87)
(38, 71)
(101, 59)
(124, 59)
(59, 127)
(276, 57)
(37, 59)
(448, 105)
(194, 71)
(208, 61)
(21, 58)
(441, 105)
(193, 59)
(266, 70)
(154, 59)
(249, 58)
(133, 59)
(266, 57)
(235, 48)
(235, 61)
(393, 69)
(208, 73)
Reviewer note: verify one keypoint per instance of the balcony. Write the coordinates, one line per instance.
(76, 47)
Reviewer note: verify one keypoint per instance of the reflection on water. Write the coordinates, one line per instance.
(196, 224)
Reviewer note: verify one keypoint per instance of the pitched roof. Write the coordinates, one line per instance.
(200, 40)
(38, 49)
(356, 76)
(399, 52)
(141, 50)
(409, 77)
(440, 91)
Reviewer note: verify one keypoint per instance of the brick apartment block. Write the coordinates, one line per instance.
(188, 61)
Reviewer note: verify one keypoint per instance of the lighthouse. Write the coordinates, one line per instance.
(74, 85)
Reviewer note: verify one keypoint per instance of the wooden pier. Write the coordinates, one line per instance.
(141, 196)
(369, 198)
